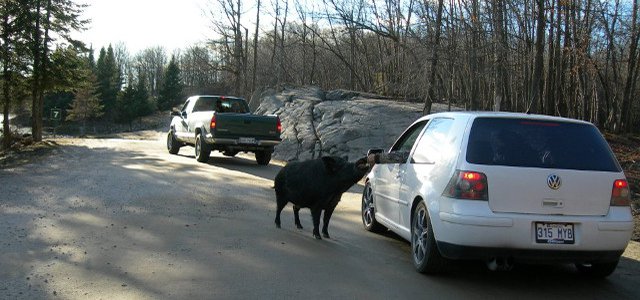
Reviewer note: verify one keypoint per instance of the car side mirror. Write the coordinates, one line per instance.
(374, 151)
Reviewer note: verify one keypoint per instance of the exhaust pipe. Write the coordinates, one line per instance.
(500, 264)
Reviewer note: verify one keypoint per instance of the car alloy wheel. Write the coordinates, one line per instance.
(368, 211)
(424, 251)
(419, 236)
(367, 206)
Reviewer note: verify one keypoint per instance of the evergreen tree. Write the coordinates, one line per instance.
(125, 110)
(51, 21)
(91, 59)
(73, 73)
(109, 80)
(13, 41)
(142, 105)
(171, 89)
(86, 104)
(133, 102)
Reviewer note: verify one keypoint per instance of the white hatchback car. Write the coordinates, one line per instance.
(502, 187)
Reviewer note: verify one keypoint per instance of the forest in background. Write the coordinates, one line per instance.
(573, 58)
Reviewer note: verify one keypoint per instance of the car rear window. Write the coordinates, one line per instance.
(221, 104)
(540, 144)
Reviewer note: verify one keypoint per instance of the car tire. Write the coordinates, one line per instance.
(597, 270)
(424, 250)
(263, 157)
(202, 149)
(172, 144)
(368, 211)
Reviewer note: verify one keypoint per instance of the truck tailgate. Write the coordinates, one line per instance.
(232, 125)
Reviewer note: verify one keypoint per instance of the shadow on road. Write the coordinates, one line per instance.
(120, 221)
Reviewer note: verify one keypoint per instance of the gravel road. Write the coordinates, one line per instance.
(123, 219)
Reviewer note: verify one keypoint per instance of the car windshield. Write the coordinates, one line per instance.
(221, 104)
(541, 144)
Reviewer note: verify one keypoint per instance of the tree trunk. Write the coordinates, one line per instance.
(36, 111)
(500, 42)
(559, 65)
(238, 52)
(6, 86)
(549, 106)
(474, 65)
(428, 101)
(275, 79)
(537, 84)
(283, 54)
(255, 49)
(631, 67)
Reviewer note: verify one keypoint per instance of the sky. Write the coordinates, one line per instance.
(140, 24)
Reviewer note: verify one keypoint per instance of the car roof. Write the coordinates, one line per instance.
(500, 114)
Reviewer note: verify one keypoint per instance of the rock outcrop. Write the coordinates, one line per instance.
(343, 123)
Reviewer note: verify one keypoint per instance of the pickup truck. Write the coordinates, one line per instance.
(223, 124)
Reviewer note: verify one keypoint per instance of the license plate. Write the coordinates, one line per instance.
(246, 140)
(555, 233)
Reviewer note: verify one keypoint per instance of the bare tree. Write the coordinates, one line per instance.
(575, 58)
(632, 72)
(231, 42)
(434, 60)
(537, 86)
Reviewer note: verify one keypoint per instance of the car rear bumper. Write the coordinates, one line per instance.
(453, 251)
(476, 232)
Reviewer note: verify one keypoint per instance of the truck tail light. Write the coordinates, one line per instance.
(279, 126)
(213, 122)
(620, 195)
(467, 185)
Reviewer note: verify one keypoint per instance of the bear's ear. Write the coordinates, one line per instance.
(362, 164)
(331, 164)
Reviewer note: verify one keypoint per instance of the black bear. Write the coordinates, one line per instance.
(316, 184)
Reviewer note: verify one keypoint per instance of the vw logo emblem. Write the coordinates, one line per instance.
(554, 182)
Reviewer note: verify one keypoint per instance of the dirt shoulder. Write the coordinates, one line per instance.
(22, 153)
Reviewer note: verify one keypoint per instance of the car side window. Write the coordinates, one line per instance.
(408, 138)
(435, 142)
(205, 104)
(188, 107)
(184, 107)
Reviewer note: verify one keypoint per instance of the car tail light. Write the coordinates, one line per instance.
(213, 122)
(279, 126)
(467, 185)
(620, 195)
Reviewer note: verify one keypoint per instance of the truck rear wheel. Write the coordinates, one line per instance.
(172, 144)
(263, 157)
(202, 149)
